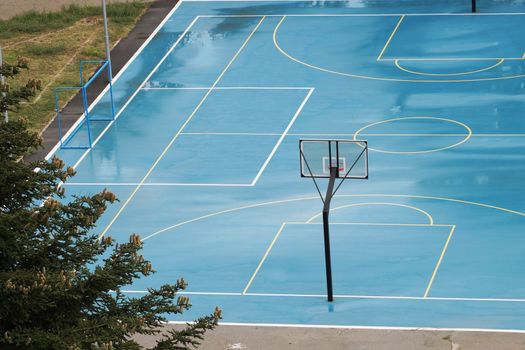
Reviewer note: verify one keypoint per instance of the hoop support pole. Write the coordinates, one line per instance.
(326, 229)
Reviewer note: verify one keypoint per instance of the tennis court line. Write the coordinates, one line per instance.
(132, 195)
(272, 153)
(439, 262)
(264, 258)
(115, 79)
(390, 37)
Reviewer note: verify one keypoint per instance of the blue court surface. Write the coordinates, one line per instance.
(204, 158)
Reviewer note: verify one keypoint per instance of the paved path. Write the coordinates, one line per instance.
(289, 338)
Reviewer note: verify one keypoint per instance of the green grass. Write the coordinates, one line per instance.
(54, 43)
(38, 22)
(46, 49)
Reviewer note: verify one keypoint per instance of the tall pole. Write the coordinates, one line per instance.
(326, 229)
(106, 34)
(473, 5)
(2, 82)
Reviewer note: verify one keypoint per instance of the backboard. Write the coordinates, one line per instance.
(350, 157)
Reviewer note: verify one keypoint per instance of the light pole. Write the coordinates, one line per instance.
(106, 34)
(2, 82)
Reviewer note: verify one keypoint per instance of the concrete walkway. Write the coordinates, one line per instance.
(289, 338)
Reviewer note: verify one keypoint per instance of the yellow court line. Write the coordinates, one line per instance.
(264, 258)
(181, 129)
(430, 218)
(439, 261)
(378, 78)
(447, 74)
(466, 127)
(390, 38)
(452, 59)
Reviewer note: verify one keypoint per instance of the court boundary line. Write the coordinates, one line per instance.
(343, 296)
(298, 325)
(115, 79)
(195, 110)
(369, 14)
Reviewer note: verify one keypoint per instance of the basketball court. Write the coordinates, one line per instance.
(204, 157)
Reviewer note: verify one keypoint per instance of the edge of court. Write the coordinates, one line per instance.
(123, 53)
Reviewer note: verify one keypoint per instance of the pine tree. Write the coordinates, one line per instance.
(60, 285)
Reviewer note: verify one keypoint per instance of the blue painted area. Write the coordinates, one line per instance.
(446, 149)
(367, 259)
(458, 37)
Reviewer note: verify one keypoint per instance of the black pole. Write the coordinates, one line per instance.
(326, 213)
(473, 6)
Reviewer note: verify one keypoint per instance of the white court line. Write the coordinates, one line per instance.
(231, 133)
(115, 79)
(299, 110)
(387, 297)
(344, 296)
(368, 14)
(231, 88)
(292, 325)
(155, 184)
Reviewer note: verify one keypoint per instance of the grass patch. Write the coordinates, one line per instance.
(46, 49)
(38, 22)
(54, 44)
